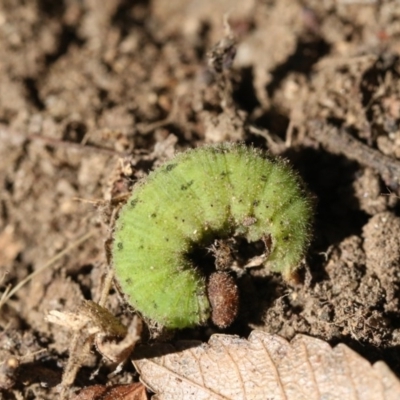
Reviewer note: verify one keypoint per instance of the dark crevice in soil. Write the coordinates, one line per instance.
(302, 60)
(203, 34)
(330, 178)
(244, 94)
(78, 277)
(33, 93)
(74, 131)
(274, 120)
(131, 15)
(67, 37)
(371, 80)
(52, 9)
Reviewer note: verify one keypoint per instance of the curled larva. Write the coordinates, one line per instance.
(209, 193)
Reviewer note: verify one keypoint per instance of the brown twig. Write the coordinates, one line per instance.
(18, 138)
(62, 143)
(339, 141)
(9, 293)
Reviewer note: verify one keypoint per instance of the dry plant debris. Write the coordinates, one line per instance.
(94, 324)
(263, 367)
(8, 372)
(135, 391)
(340, 142)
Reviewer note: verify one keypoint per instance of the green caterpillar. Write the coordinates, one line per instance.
(216, 191)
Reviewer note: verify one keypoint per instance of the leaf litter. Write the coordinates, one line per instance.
(264, 366)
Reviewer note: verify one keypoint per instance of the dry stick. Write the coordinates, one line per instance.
(75, 341)
(275, 144)
(18, 138)
(62, 253)
(6, 291)
(106, 287)
(80, 345)
(338, 141)
(62, 143)
(80, 351)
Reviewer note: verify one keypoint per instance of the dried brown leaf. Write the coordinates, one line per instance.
(134, 391)
(263, 367)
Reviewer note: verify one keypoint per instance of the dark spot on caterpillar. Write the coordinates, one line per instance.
(264, 178)
(153, 215)
(128, 281)
(256, 203)
(134, 202)
(166, 239)
(120, 246)
(170, 167)
(187, 186)
(224, 299)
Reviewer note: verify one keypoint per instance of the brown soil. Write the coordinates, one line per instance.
(93, 96)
